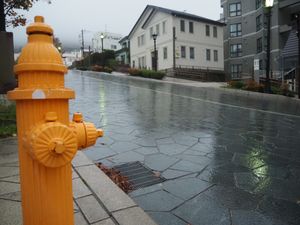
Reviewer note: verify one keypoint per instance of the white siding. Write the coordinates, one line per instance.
(197, 40)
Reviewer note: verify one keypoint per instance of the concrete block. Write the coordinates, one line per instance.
(91, 209)
(81, 160)
(110, 194)
(79, 219)
(80, 189)
(105, 222)
(133, 216)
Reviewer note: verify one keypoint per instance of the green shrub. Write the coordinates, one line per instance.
(147, 73)
(7, 120)
(275, 90)
(236, 84)
(107, 69)
(284, 90)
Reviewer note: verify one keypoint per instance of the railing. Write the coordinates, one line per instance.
(198, 67)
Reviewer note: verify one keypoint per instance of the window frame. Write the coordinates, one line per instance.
(236, 70)
(208, 55)
(215, 31)
(236, 11)
(259, 45)
(207, 30)
(165, 52)
(259, 22)
(216, 56)
(237, 32)
(192, 52)
(236, 50)
(183, 52)
(191, 27)
(182, 25)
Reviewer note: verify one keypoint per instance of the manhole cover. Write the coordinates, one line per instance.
(138, 175)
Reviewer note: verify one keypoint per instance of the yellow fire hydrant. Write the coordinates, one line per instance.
(48, 141)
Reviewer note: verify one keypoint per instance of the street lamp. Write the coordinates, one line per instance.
(296, 17)
(154, 36)
(268, 4)
(102, 37)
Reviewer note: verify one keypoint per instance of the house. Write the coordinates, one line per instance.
(183, 41)
(122, 55)
(105, 40)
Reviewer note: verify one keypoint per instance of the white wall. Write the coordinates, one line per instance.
(198, 40)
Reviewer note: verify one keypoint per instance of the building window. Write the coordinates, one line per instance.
(192, 53)
(208, 54)
(207, 30)
(113, 47)
(235, 9)
(157, 29)
(236, 70)
(165, 50)
(164, 27)
(258, 22)
(236, 50)
(216, 55)
(260, 64)
(141, 40)
(235, 30)
(215, 32)
(183, 52)
(182, 26)
(151, 32)
(142, 62)
(257, 4)
(259, 45)
(191, 27)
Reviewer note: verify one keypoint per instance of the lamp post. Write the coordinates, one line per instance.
(268, 4)
(102, 37)
(296, 17)
(154, 36)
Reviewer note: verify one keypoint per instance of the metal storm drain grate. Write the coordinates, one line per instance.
(138, 175)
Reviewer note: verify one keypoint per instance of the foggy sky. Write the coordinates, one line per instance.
(68, 17)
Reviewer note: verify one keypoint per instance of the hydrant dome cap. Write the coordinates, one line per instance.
(39, 27)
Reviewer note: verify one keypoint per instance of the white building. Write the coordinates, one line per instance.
(72, 56)
(198, 41)
(110, 41)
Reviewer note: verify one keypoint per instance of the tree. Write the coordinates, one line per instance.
(9, 15)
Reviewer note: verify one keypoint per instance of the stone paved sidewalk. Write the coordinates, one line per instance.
(97, 200)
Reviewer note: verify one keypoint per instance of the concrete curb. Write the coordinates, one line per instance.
(116, 205)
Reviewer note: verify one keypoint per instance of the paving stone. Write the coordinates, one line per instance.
(171, 174)
(233, 198)
(149, 202)
(111, 196)
(247, 217)
(165, 141)
(171, 149)
(105, 222)
(7, 187)
(248, 161)
(123, 146)
(159, 162)
(125, 157)
(166, 218)
(133, 216)
(202, 160)
(97, 153)
(246, 181)
(146, 190)
(187, 166)
(10, 212)
(79, 219)
(203, 210)
(13, 179)
(185, 140)
(7, 171)
(146, 142)
(104, 141)
(147, 150)
(185, 188)
(202, 148)
(91, 208)
(75, 207)
(14, 196)
(80, 189)
(81, 160)
(123, 137)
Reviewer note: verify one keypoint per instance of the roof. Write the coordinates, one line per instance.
(123, 39)
(176, 14)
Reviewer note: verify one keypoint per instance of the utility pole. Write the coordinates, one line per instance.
(298, 67)
(2, 16)
(82, 43)
(268, 86)
(174, 49)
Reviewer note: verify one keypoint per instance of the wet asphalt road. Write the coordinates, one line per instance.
(226, 160)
